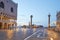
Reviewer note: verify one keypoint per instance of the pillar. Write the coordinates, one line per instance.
(1, 16)
(31, 19)
(49, 21)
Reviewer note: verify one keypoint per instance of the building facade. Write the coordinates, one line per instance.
(8, 14)
(58, 20)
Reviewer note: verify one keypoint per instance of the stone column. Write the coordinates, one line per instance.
(15, 24)
(7, 25)
(1, 17)
(49, 21)
(31, 19)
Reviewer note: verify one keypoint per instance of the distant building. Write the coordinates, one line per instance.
(58, 20)
(37, 26)
(40, 26)
(8, 13)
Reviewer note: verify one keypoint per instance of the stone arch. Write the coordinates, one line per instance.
(0, 25)
(9, 25)
(12, 24)
(5, 25)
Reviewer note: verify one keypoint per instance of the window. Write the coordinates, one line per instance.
(11, 9)
(1, 4)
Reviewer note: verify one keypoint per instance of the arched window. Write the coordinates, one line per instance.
(1, 4)
(11, 9)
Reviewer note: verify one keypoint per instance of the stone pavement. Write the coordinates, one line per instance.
(29, 34)
(39, 35)
(53, 34)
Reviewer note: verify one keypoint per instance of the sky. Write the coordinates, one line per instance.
(39, 9)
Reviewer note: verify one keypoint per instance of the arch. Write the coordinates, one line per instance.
(5, 25)
(0, 25)
(12, 24)
(1, 4)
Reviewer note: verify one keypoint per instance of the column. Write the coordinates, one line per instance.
(49, 21)
(31, 19)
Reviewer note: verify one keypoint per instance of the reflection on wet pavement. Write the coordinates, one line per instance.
(39, 35)
(16, 34)
(53, 35)
(29, 34)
